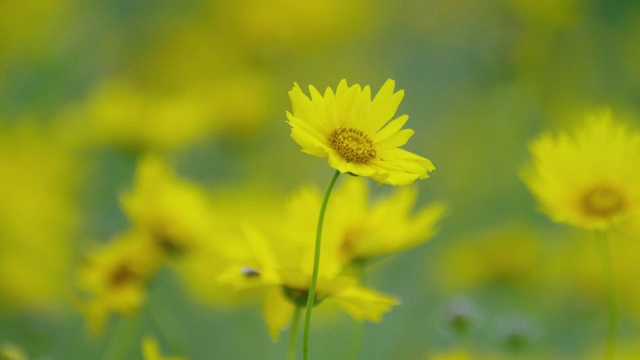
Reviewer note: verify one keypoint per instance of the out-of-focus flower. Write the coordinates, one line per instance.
(589, 180)
(178, 218)
(175, 214)
(480, 260)
(151, 350)
(279, 248)
(355, 134)
(120, 113)
(384, 226)
(114, 278)
(276, 267)
(296, 25)
(38, 217)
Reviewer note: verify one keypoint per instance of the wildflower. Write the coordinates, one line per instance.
(114, 278)
(278, 263)
(174, 213)
(384, 226)
(591, 179)
(355, 132)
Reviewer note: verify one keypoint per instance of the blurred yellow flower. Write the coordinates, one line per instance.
(385, 226)
(355, 134)
(296, 25)
(175, 214)
(121, 113)
(151, 350)
(278, 262)
(114, 278)
(591, 179)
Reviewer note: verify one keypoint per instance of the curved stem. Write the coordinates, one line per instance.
(612, 328)
(316, 267)
(293, 335)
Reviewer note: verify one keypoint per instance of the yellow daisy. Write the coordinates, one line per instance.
(113, 279)
(355, 133)
(589, 180)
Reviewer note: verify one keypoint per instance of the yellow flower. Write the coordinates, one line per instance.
(276, 263)
(355, 134)
(589, 180)
(174, 213)
(114, 278)
(384, 226)
(151, 350)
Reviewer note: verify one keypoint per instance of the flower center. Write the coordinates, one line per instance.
(122, 275)
(353, 145)
(299, 296)
(603, 202)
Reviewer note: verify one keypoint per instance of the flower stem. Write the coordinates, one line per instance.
(293, 335)
(122, 340)
(359, 328)
(612, 328)
(316, 267)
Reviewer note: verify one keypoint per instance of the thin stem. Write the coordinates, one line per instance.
(607, 269)
(122, 341)
(168, 326)
(316, 268)
(359, 328)
(293, 335)
(357, 340)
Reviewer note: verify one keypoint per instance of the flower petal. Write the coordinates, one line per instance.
(391, 128)
(277, 312)
(396, 140)
(383, 107)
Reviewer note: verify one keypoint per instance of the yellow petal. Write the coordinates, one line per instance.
(277, 312)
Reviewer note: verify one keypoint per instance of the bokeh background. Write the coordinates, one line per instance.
(87, 87)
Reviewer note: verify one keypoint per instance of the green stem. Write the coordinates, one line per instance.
(359, 328)
(122, 341)
(357, 340)
(612, 328)
(316, 267)
(293, 335)
(168, 326)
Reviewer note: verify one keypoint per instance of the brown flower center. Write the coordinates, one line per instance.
(353, 145)
(122, 276)
(603, 202)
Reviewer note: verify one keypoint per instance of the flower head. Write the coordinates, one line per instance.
(173, 212)
(355, 133)
(366, 229)
(590, 180)
(114, 278)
